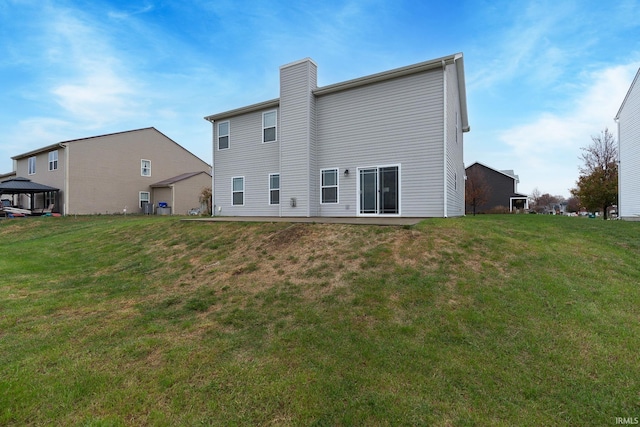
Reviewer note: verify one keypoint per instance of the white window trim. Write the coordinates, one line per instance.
(399, 166)
(148, 199)
(272, 189)
(142, 167)
(243, 190)
(228, 135)
(275, 126)
(53, 163)
(337, 186)
(30, 170)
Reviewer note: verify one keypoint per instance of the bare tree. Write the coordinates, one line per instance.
(573, 204)
(597, 186)
(546, 202)
(205, 199)
(476, 189)
(535, 196)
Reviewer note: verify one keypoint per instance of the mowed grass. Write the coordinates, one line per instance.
(487, 320)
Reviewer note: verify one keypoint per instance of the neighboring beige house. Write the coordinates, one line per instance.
(115, 172)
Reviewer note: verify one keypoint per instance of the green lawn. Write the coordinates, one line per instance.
(488, 320)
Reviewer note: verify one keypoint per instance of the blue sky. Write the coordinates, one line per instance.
(542, 76)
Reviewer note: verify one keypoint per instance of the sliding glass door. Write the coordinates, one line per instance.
(379, 189)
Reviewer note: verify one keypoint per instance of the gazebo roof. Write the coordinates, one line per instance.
(19, 185)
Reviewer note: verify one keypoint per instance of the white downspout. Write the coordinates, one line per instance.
(173, 199)
(213, 169)
(65, 203)
(444, 166)
(617, 120)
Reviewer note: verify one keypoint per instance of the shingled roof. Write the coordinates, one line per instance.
(19, 185)
(168, 182)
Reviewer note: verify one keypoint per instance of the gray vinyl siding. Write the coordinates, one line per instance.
(297, 154)
(454, 159)
(393, 122)
(629, 138)
(249, 157)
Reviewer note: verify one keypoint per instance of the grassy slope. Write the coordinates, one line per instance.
(502, 320)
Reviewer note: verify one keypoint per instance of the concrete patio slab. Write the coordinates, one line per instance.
(316, 220)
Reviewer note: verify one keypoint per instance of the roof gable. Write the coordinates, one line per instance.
(90, 138)
(505, 172)
(456, 59)
(635, 80)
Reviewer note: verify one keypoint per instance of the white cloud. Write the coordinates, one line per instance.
(92, 85)
(99, 97)
(541, 147)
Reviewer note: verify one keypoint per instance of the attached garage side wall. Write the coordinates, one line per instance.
(187, 193)
(163, 194)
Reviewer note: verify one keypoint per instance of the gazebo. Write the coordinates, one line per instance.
(19, 185)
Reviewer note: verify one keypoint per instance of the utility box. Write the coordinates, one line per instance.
(147, 208)
(164, 211)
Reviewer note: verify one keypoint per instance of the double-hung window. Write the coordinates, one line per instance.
(329, 185)
(32, 165)
(269, 127)
(274, 188)
(145, 167)
(53, 160)
(237, 191)
(223, 135)
(144, 198)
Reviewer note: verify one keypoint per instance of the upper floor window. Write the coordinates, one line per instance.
(53, 160)
(145, 167)
(274, 189)
(329, 185)
(237, 191)
(32, 165)
(269, 120)
(223, 135)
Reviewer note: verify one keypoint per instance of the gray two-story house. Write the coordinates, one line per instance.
(387, 144)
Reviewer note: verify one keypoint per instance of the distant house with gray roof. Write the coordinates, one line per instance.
(502, 189)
